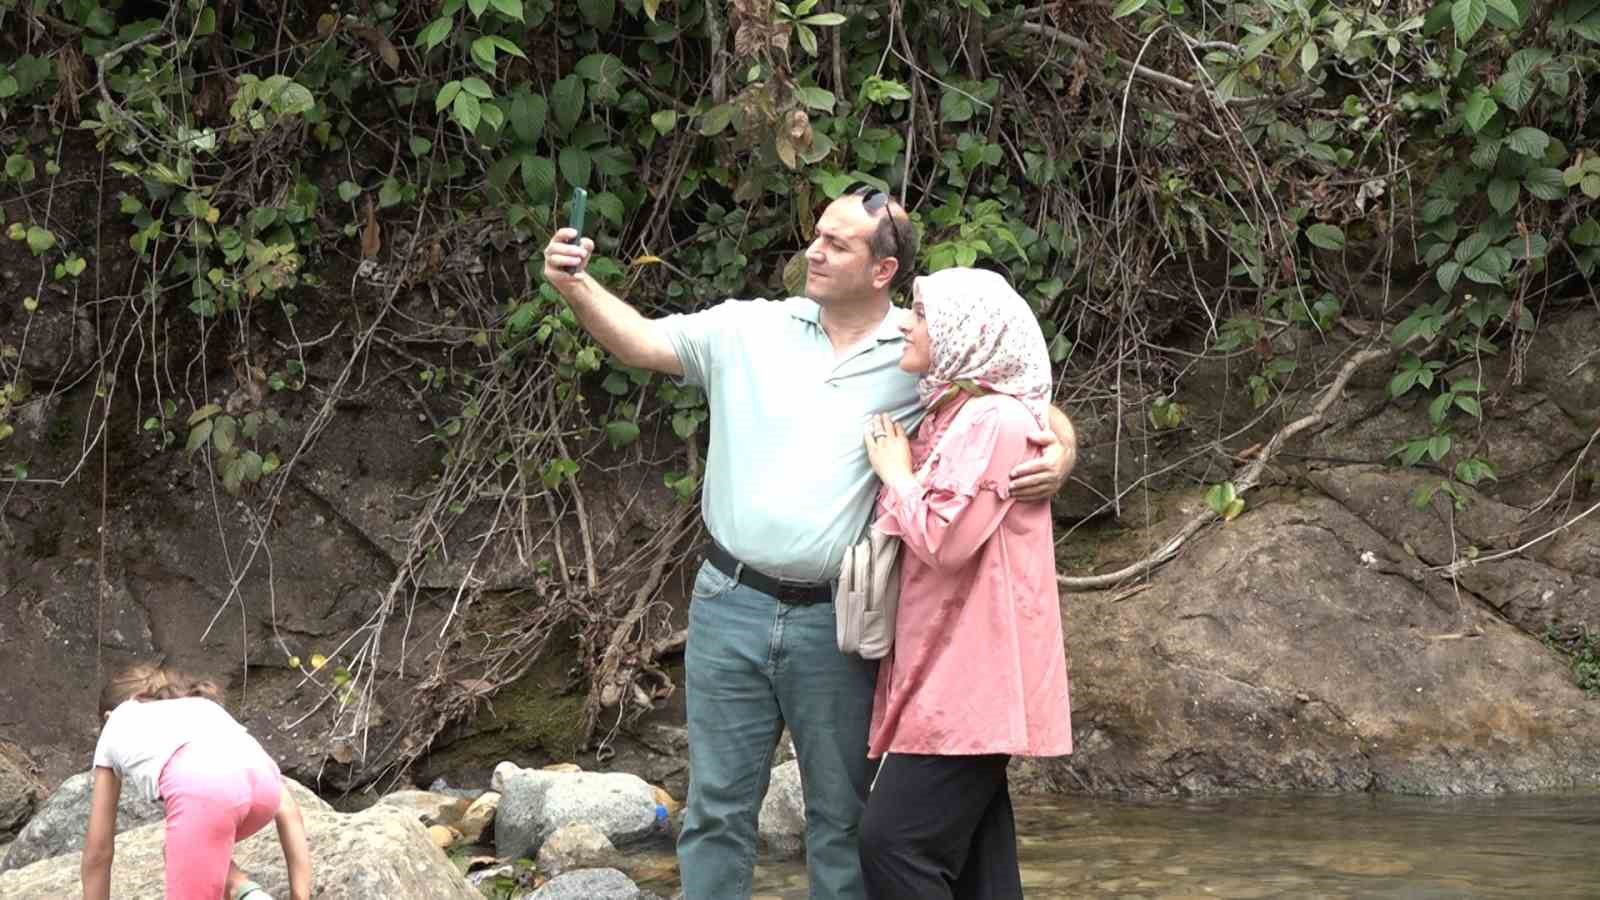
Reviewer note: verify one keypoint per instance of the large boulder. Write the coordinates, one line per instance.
(783, 813)
(62, 822)
(535, 802)
(1298, 648)
(590, 884)
(380, 852)
(575, 847)
(20, 792)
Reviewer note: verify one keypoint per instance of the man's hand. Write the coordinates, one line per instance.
(1039, 479)
(565, 263)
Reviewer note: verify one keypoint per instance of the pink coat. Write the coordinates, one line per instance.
(978, 664)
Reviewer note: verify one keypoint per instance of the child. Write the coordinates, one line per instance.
(169, 736)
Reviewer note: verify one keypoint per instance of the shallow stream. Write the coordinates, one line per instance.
(1362, 846)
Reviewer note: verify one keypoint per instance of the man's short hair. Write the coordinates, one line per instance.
(895, 235)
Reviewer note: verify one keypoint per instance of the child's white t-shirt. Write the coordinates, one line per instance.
(142, 735)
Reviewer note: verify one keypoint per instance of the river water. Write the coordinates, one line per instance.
(1360, 846)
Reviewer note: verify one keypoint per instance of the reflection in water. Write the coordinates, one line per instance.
(1362, 846)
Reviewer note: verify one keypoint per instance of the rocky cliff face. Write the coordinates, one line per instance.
(1312, 643)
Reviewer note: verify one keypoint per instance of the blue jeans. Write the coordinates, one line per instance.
(754, 664)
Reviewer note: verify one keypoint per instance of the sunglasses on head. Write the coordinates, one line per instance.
(874, 199)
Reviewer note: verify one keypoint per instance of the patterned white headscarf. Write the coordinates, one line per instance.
(981, 331)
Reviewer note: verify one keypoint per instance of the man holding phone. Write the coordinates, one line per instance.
(787, 489)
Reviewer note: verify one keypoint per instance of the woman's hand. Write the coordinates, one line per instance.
(889, 451)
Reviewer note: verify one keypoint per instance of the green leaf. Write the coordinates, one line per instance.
(509, 8)
(1439, 406)
(1496, 261)
(608, 206)
(566, 101)
(1503, 194)
(538, 177)
(483, 54)
(815, 97)
(1447, 275)
(1480, 274)
(224, 434)
(1468, 16)
(477, 88)
(1507, 10)
(1469, 405)
(825, 20)
(349, 190)
(1546, 184)
(1402, 382)
(1480, 109)
(434, 34)
(478, 7)
(39, 240)
(1127, 8)
(528, 111)
(447, 95)
(956, 106)
(75, 266)
(1587, 234)
(621, 433)
(467, 111)
(1308, 55)
(598, 13)
(1475, 243)
(198, 435)
(8, 86)
(605, 73)
(1439, 445)
(1529, 141)
(716, 119)
(576, 166)
(1328, 237)
(664, 121)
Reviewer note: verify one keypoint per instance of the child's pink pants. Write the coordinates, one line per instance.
(217, 792)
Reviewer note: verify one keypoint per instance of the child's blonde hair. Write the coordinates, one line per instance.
(144, 681)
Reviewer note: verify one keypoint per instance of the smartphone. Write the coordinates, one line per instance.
(579, 207)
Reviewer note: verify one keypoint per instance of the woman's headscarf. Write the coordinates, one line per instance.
(982, 332)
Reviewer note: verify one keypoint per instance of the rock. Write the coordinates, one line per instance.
(479, 816)
(1291, 649)
(20, 793)
(534, 803)
(570, 847)
(562, 767)
(783, 813)
(591, 884)
(428, 807)
(380, 852)
(60, 825)
(443, 836)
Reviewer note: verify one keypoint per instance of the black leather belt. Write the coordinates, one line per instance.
(792, 593)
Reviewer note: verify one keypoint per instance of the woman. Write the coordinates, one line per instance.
(168, 736)
(978, 670)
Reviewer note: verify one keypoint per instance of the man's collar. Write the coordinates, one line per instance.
(807, 310)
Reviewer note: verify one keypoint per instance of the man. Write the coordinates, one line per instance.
(787, 489)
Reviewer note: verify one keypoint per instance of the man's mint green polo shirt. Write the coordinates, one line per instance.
(787, 484)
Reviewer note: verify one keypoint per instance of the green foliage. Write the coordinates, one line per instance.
(248, 166)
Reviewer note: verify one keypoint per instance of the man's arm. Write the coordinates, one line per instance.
(1039, 479)
(617, 326)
